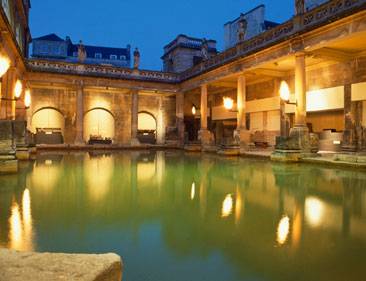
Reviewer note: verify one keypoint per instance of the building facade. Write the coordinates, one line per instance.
(52, 46)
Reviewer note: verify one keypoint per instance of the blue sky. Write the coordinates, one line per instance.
(147, 24)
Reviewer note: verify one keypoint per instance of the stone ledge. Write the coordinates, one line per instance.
(19, 266)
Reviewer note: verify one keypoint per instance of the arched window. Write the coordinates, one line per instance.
(98, 123)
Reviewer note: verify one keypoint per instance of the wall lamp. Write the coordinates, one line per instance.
(285, 93)
(194, 110)
(4, 65)
(229, 104)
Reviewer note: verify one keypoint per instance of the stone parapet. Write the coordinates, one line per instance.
(19, 266)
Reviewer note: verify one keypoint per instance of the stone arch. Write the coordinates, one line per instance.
(47, 118)
(99, 122)
(147, 127)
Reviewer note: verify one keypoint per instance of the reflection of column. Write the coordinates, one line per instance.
(160, 168)
(347, 206)
(239, 205)
(79, 115)
(160, 123)
(298, 223)
(180, 117)
(134, 117)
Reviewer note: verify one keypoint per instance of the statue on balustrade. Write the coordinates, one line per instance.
(136, 59)
(300, 7)
(204, 49)
(81, 52)
(242, 29)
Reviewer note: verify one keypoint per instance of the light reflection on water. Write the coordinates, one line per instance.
(197, 217)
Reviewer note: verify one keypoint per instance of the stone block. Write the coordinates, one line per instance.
(22, 154)
(8, 166)
(285, 156)
(19, 132)
(19, 266)
(6, 136)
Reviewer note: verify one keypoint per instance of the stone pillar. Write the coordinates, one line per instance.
(204, 134)
(179, 112)
(7, 92)
(79, 115)
(300, 132)
(20, 139)
(8, 162)
(242, 134)
(160, 123)
(134, 117)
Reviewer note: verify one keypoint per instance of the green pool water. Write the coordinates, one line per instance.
(175, 216)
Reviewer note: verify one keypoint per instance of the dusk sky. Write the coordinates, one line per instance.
(147, 24)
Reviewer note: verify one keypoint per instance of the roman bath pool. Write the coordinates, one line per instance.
(176, 216)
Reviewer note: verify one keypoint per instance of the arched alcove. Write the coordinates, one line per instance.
(99, 122)
(49, 125)
(146, 128)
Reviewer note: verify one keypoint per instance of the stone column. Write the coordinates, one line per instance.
(160, 123)
(179, 112)
(203, 107)
(204, 134)
(300, 132)
(242, 134)
(134, 117)
(79, 139)
(7, 89)
(8, 162)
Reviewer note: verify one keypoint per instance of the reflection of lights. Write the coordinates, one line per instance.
(193, 190)
(228, 103)
(45, 177)
(48, 162)
(283, 230)
(145, 171)
(314, 211)
(16, 231)
(227, 206)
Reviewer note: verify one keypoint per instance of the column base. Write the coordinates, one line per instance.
(299, 136)
(242, 138)
(22, 153)
(207, 140)
(135, 142)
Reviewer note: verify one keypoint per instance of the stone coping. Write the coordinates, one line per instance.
(30, 266)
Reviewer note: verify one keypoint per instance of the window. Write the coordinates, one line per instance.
(75, 54)
(98, 55)
(122, 57)
(6, 7)
(113, 57)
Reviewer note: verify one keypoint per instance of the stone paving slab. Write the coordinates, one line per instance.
(20, 266)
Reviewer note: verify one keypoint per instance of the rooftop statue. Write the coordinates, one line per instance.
(242, 29)
(136, 59)
(300, 7)
(81, 52)
(204, 49)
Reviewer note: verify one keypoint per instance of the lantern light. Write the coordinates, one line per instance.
(194, 110)
(228, 103)
(18, 89)
(27, 99)
(284, 91)
(4, 65)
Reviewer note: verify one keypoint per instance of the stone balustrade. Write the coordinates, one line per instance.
(321, 15)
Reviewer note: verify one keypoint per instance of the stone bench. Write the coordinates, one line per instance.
(19, 266)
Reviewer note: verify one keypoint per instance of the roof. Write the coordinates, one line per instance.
(270, 24)
(105, 51)
(49, 37)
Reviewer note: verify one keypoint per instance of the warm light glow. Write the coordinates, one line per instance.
(146, 122)
(48, 118)
(16, 231)
(283, 230)
(314, 211)
(18, 89)
(227, 206)
(284, 91)
(228, 103)
(4, 65)
(99, 122)
(193, 190)
(27, 98)
(194, 110)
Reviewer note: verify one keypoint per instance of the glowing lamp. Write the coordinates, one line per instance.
(228, 103)
(4, 65)
(18, 89)
(27, 99)
(194, 110)
(284, 91)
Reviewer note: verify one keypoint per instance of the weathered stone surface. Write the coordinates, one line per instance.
(8, 166)
(6, 135)
(286, 156)
(20, 266)
(22, 154)
(19, 132)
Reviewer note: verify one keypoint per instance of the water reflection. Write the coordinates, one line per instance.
(249, 219)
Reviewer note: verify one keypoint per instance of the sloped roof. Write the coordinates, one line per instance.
(49, 37)
(105, 51)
